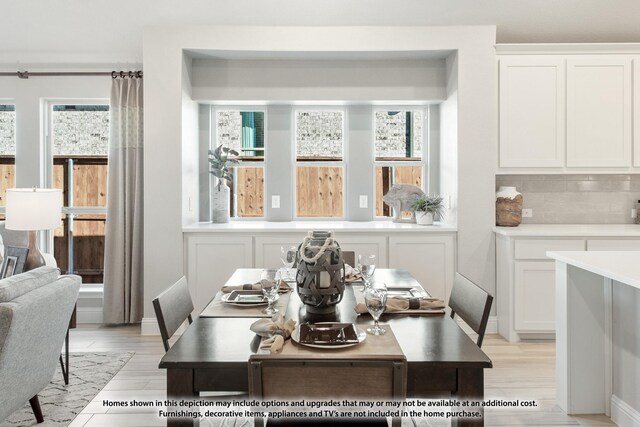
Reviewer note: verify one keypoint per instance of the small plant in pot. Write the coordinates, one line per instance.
(428, 208)
(219, 162)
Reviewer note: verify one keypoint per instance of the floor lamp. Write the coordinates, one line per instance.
(33, 209)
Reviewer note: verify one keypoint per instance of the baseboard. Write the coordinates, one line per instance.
(623, 414)
(149, 326)
(89, 315)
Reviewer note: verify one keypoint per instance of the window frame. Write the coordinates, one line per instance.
(9, 101)
(47, 165)
(213, 143)
(424, 149)
(343, 163)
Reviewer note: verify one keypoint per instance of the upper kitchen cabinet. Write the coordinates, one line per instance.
(532, 111)
(599, 121)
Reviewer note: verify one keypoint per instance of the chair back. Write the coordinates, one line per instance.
(472, 304)
(349, 257)
(173, 307)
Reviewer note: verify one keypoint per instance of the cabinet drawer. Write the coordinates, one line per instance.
(536, 249)
(613, 245)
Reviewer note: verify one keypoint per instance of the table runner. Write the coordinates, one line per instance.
(359, 296)
(377, 347)
(217, 308)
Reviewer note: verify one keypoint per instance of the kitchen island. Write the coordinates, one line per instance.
(598, 333)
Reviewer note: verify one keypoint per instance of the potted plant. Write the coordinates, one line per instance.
(428, 208)
(218, 161)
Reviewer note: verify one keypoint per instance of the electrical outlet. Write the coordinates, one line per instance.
(364, 201)
(527, 213)
(275, 202)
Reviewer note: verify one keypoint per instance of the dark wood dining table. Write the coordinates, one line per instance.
(442, 361)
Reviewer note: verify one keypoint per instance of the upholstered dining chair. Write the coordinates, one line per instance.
(173, 307)
(472, 304)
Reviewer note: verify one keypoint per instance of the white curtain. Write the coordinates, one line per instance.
(123, 290)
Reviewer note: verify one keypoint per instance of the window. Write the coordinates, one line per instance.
(7, 150)
(243, 131)
(398, 146)
(79, 141)
(319, 145)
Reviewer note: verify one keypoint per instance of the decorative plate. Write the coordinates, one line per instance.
(328, 335)
(244, 298)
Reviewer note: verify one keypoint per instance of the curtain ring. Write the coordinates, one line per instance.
(130, 74)
(114, 75)
(122, 74)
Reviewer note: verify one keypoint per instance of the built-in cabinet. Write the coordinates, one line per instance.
(525, 292)
(211, 257)
(568, 112)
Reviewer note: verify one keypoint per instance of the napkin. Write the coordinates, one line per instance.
(351, 274)
(406, 304)
(284, 287)
(276, 329)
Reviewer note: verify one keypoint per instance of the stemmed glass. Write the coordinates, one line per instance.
(270, 292)
(288, 257)
(367, 266)
(375, 298)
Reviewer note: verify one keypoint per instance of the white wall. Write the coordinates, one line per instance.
(332, 80)
(476, 127)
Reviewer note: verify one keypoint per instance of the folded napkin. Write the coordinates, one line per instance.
(264, 283)
(351, 274)
(406, 304)
(275, 329)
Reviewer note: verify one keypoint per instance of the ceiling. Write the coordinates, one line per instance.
(100, 31)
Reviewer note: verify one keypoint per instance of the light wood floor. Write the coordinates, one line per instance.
(520, 371)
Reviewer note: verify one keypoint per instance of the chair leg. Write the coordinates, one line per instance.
(35, 407)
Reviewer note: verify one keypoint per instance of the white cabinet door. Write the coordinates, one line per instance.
(268, 248)
(430, 259)
(534, 296)
(532, 111)
(211, 260)
(599, 111)
(613, 245)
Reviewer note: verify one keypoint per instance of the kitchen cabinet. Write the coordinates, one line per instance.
(430, 259)
(636, 109)
(532, 111)
(599, 122)
(534, 296)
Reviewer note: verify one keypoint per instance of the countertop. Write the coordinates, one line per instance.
(621, 266)
(570, 230)
(303, 226)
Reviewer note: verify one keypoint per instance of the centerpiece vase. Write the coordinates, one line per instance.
(508, 207)
(220, 202)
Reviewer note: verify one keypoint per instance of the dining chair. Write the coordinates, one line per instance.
(349, 257)
(173, 307)
(472, 304)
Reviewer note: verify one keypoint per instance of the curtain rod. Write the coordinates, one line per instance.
(113, 74)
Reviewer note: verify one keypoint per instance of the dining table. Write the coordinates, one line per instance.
(442, 361)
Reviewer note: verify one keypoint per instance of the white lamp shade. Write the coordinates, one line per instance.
(33, 208)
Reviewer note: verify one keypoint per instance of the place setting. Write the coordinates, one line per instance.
(263, 298)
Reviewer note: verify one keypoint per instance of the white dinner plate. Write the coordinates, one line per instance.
(244, 298)
(295, 336)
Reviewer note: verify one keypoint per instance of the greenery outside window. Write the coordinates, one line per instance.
(7, 151)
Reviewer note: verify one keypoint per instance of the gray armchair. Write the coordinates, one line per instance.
(35, 308)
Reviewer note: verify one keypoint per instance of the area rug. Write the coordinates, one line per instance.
(60, 403)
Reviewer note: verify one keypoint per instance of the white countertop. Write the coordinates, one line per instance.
(622, 266)
(303, 226)
(571, 230)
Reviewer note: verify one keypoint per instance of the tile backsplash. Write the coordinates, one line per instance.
(576, 199)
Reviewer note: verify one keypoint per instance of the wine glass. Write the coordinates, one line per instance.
(270, 292)
(375, 298)
(288, 257)
(367, 266)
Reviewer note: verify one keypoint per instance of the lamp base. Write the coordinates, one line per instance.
(34, 257)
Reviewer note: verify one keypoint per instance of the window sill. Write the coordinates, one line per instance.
(301, 226)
